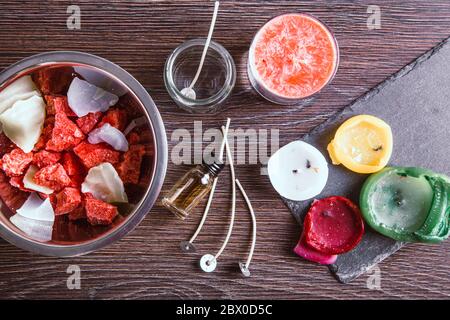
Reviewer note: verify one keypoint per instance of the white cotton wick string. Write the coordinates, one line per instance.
(233, 196)
(244, 267)
(208, 262)
(189, 92)
(213, 188)
(225, 134)
(205, 213)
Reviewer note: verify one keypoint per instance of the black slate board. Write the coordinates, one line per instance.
(416, 103)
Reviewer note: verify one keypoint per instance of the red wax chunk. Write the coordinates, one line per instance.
(45, 158)
(53, 177)
(130, 168)
(53, 80)
(46, 134)
(116, 118)
(6, 145)
(133, 138)
(77, 214)
(94, 154)
(67, 200)
(72, 164)
(16, 162)
(18, 183)
(89, 121)
(58, 104)
(12, 197)
(77, 180)
(65, 134)
(99, 212)
(333, 225)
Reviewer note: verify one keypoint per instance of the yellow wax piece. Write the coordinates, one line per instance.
(362, 144)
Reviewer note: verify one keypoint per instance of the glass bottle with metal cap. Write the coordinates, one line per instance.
(187, 193)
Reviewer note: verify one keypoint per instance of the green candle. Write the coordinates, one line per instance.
(407, 204)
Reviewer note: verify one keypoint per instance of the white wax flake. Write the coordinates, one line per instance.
(21, 89)
(112, 136)
(298, 171)
(36, 229)
(37, 209)
(28, 181)
(23, 122)
(104, 183)
(84, 98)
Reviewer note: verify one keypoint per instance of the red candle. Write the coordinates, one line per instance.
(292, 57)
(333, 225)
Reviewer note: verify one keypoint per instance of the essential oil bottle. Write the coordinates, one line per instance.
(187, 193)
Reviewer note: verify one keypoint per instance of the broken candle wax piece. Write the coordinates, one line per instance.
(362, 144)
(303, 250)
(407, 204)
(22, 123)
(333, 225)
(99, 212)
(293, 56)
(40, 230)
(21, 89)
(84, 98)
(298, 171)
(28, 181)
(104, 183)
(37, 209)
(110, 135)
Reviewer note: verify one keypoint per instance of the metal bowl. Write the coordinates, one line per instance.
(73, 238)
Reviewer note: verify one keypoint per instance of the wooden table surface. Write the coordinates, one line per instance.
(147, 263)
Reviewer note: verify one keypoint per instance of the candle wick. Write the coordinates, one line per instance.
(308, 164)
(295, 171)
(189, 89)
(380, 147)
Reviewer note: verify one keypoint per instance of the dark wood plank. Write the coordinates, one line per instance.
(147, 263)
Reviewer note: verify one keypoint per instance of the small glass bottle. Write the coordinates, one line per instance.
(187, 193)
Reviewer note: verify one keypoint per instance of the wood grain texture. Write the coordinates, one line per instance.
(147, 263)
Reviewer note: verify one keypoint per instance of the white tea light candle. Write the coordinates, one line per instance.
(298, 171)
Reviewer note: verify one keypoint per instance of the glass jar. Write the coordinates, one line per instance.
(216, 80)
(280, 66)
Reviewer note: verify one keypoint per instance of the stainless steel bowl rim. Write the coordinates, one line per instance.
(161, 152)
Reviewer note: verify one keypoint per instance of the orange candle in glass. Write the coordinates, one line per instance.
(292, 57)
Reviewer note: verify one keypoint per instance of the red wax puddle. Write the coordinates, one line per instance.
(303, 250)
(333, 225)
(295, 55)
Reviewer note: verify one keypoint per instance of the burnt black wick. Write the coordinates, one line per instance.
(308, 164)
(398, 198)
(378, 148)
(295, 171)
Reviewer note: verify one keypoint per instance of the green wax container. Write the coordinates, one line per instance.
(407, 204)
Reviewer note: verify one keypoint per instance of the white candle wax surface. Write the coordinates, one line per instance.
(298, 171)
